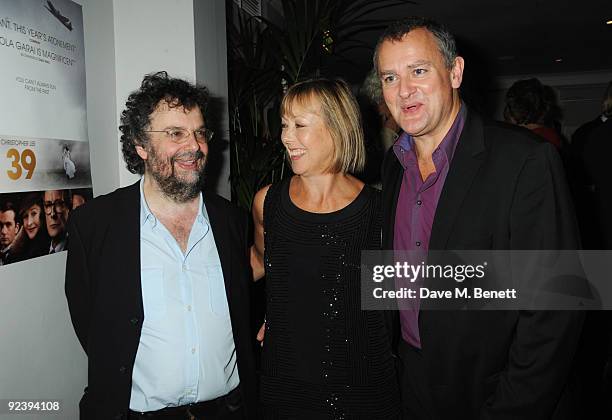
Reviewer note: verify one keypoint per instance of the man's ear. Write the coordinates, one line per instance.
(141, 152)
(456, 72)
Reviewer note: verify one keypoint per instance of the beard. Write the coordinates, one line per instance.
(179, 189)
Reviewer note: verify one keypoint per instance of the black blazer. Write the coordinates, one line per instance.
(505, 189)
(105, 297)
(596, 155)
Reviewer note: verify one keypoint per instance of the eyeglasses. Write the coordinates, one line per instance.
(180, 135)
(57, 205)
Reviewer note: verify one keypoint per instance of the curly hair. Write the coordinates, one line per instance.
(155, 87)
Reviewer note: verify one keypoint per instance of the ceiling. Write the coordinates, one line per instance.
(511, 37)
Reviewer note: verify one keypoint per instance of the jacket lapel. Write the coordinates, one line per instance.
(218, 224)
(392, 181)
(126, 228)
(467, 159)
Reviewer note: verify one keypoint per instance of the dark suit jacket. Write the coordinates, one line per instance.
(505, 189)
(105, 298)
(597, 150)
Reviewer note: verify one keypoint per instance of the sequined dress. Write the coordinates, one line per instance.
(323, 357)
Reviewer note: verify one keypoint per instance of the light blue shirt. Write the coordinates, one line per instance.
(186, 352)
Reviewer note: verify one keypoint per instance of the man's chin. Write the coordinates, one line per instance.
(194, 181)
(190, 179)
(182, 189)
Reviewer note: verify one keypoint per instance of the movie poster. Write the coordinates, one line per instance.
(44, 147)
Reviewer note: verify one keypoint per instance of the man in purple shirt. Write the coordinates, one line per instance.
(454, 181)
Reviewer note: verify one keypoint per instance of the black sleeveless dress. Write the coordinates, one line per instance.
(323, 357)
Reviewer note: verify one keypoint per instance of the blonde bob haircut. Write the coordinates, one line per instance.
(341, 115)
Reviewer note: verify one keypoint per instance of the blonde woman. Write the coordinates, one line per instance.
(323, 357)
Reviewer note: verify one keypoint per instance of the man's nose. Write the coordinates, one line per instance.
(407, 88)
(193, 144)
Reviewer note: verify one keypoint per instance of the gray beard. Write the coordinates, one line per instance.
(177, 190)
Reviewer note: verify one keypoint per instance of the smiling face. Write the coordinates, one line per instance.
(419, 89)
(177, 167)
(307, 139)
(31, 220)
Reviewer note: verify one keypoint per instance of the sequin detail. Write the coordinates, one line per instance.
(324, 355)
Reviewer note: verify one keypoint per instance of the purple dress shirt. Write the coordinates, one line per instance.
(416, 207)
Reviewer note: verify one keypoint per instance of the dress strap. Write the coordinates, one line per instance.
(273, 199)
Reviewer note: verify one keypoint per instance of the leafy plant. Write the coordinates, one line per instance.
(265, 58)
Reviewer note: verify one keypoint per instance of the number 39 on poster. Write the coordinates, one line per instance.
(21, 163)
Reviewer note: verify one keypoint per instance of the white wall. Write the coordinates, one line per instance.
(150, 36)
(211, 71)
(101, 94)
(40, 356)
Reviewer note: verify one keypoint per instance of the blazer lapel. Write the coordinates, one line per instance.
(392, 181)
(218, 224)
(462, 172)
(126, 231)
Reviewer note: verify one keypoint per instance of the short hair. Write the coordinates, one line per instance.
(66, 196)
(607, 102)
(398, 29)
(526, 102)
(155, 87)
(29, 200)
(340, 112)
(9, 206)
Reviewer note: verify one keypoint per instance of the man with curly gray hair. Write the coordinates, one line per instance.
(158, 293)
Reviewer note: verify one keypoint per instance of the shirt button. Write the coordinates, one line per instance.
(193, 350)
(189, 308)
(134, 321)
(419, 202)
(184, 266)
(122, 369)
(418, 243)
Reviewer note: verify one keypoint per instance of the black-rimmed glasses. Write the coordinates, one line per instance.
(57, 205)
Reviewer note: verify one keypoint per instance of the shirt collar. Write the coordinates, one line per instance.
(405, 142)
(146, 215)
(60, 246)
